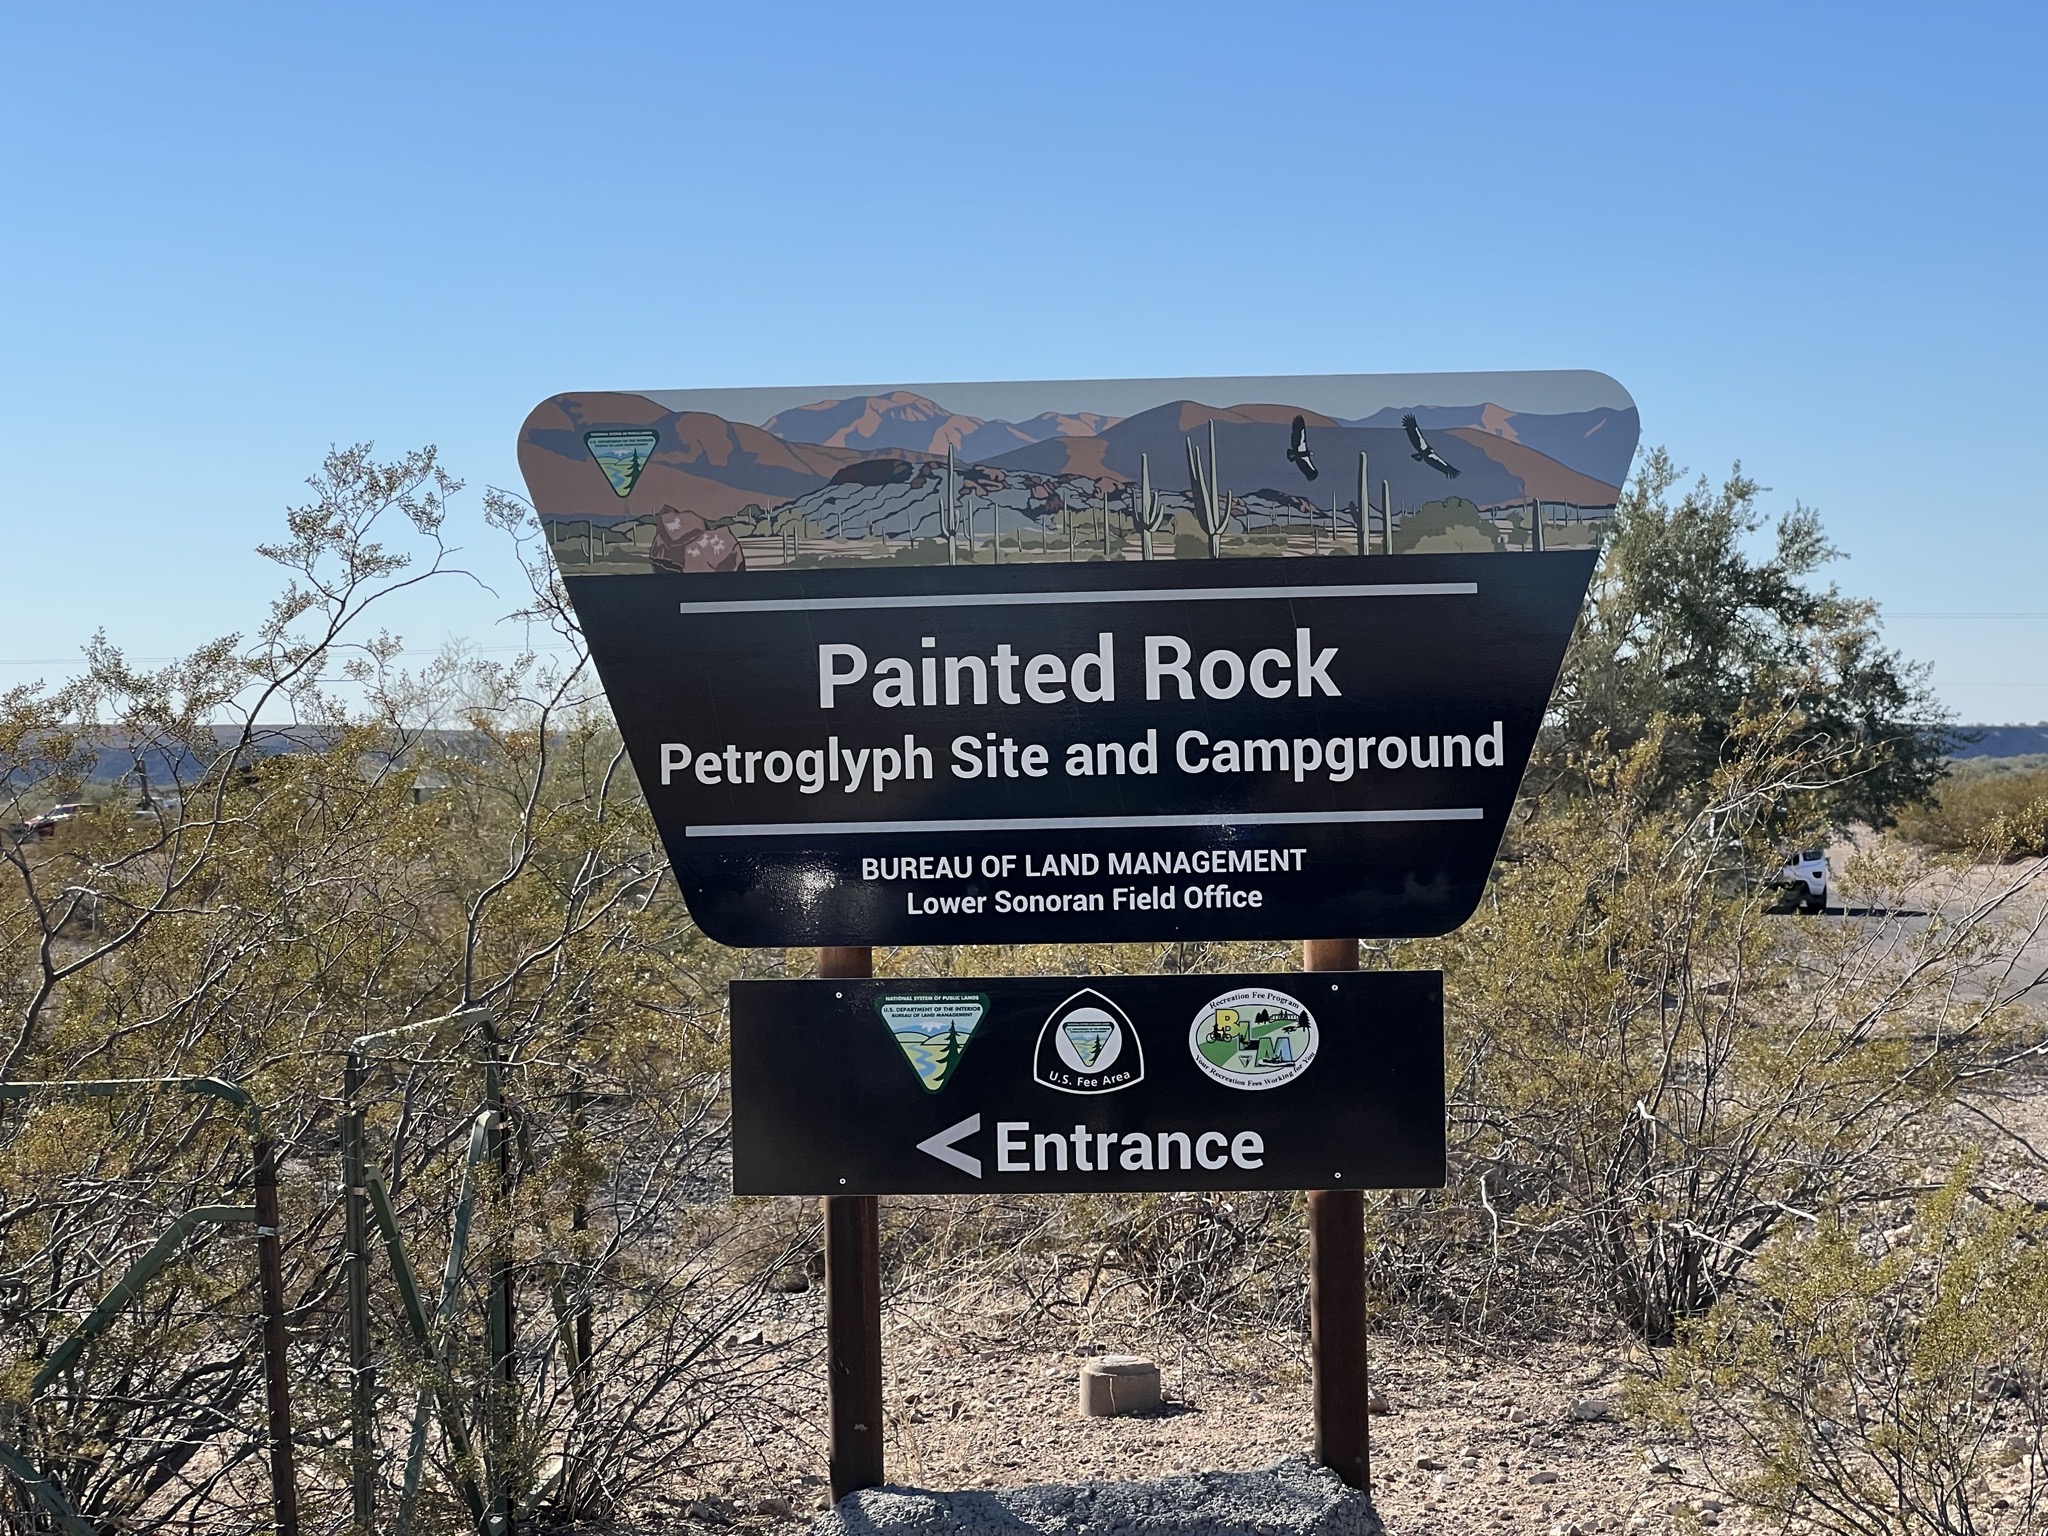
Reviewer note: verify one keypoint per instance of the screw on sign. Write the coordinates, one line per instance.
(872, 699)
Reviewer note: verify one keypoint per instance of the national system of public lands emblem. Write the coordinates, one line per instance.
(932, 1029)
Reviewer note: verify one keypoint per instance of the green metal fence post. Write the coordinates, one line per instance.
(130, 1284)
(423, 1335)
(44, 1492)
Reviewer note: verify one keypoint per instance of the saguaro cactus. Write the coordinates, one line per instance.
(1364, 512)
(1207, 493)
(949, 513)
(1151, 510)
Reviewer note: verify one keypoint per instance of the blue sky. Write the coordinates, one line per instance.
(1808, 237)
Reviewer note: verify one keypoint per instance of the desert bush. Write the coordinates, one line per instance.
(1071, 1263)
(1651, 1076)
(163, 1413)
(1985, 814)
(307, 893)
(1689, 631)
(1451, 525)
(1877, 1383)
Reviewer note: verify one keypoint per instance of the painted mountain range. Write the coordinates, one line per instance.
(1598, 444)
(901, 420)
(717, 468)
(1251, 447)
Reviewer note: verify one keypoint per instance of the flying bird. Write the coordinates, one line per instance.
(1297, 448)
(1423, 452)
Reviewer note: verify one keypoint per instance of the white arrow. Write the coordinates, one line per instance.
(940, 1145)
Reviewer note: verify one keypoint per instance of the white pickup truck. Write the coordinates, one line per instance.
(1805, 876)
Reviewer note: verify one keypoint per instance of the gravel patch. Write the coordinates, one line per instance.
(1294, 1497)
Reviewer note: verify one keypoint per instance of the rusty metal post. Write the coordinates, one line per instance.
(362, 1389)
(277, 1391)
(502, 1303)
(1336, 1295)
(579, 1224)
(853, 1305)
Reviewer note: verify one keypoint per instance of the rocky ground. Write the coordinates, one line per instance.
(1471, 1441)
(1468, 1444)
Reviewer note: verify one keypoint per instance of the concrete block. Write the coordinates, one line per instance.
(1114, 1384)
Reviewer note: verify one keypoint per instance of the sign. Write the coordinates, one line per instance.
(1315, 1081)
(1213, 749)
(1037, 663)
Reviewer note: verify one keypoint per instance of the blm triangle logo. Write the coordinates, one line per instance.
(621, 455)
(932, 1030)
(1088, 1045)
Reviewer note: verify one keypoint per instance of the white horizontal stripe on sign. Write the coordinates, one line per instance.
(1020, 599)
(1078, 823)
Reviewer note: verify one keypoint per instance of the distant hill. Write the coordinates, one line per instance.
(1251, 444)
(1598, 444)
(2004, 740)
(1536, 472)
(111, 758)
(904, 420)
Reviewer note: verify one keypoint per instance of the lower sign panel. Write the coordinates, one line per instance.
(1326, 1080)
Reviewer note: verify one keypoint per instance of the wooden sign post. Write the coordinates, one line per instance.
(1336, 1296)
(853, 1305)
